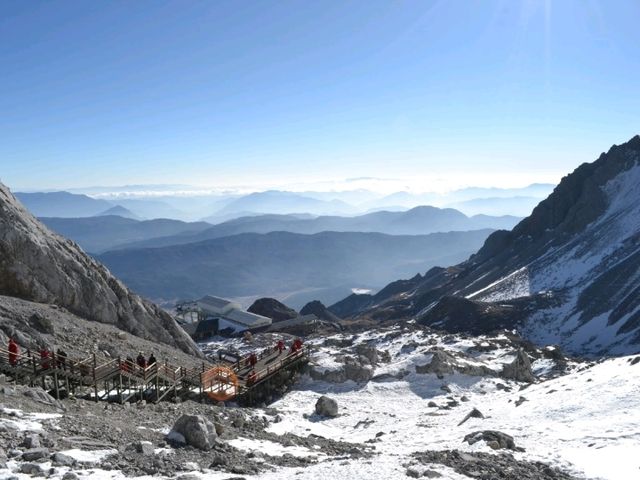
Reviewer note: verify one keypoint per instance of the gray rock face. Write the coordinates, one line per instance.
(443, 363)
(352, 370)
(196, 430)
(520, 369)
(38, 265)
(327, 407)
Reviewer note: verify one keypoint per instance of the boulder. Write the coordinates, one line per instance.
(327, 407)
(31, 441)
(31, 469)
(369, 352)
(520, 369)
(35, 454)
(475, 413)
(493, 438)
(62, 459)
(441, 363)
(196, 431)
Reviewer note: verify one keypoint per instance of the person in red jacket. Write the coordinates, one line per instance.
(280, 346)
(297, 346)
(14, 351)
(45, 358)
(253, 359)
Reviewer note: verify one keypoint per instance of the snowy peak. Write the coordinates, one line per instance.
(569, 272)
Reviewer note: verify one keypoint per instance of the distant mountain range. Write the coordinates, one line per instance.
(62, 204)
(109, 232)
(104, 232)
(278, 202)
(417, 221)
(217, 208)
(278, 264)
(521, 206)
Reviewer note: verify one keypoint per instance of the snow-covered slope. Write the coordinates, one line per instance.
(580, 417)
(586, 422)
(570, 272)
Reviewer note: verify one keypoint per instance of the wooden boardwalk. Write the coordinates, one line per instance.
(231, 377)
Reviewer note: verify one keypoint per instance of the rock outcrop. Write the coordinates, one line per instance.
(567, 274)
(520, 369)
(327, 407)
(444, 363)
(273, 309)
(494, 439)
(318, 309)
(40, 266)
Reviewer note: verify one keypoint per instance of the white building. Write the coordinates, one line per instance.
(218, 314)
(216, 306)
(240, 320)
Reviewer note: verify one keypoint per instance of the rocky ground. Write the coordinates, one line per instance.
(43, 437)
(33, 323)
(391, 403)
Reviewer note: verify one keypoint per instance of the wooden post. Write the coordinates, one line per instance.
(55, 380)
(157, 384)
(95, 380)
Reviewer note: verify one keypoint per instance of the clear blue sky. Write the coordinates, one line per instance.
(215, 92)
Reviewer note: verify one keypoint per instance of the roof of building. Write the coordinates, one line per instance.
(247, 318)
(216, 302)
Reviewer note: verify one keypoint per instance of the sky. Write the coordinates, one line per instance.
(425, 95)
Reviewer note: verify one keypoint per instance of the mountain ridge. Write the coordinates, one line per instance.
(40, 266)
(568, 272)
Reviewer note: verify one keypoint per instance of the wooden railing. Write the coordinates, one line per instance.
(91, 371)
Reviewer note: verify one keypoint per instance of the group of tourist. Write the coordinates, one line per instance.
(48, 357)
(252, 359)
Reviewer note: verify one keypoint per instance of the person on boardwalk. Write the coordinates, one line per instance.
(152, 360)
(280, 347)
(142, 363)
(128, 365)
(45, 357)
(253, 359)
(297, 346)
(61, 358)
(14, 352)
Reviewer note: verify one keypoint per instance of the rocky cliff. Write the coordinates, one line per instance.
(567, 274)
(40, 266)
